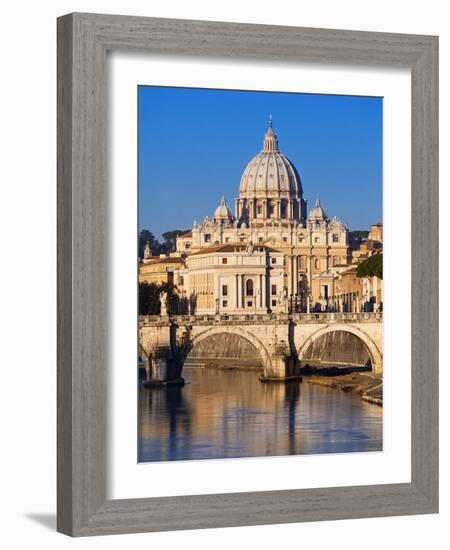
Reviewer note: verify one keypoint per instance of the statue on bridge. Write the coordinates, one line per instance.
(163, 303)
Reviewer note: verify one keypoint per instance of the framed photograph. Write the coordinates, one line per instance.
(247, 274)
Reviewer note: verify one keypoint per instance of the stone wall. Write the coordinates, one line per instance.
(225, 350)
(338, 347)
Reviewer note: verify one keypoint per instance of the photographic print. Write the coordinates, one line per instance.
(260, 274)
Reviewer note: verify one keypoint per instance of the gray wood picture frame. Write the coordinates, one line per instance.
(83, 42)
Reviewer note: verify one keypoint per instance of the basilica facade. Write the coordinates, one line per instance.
(267, 255)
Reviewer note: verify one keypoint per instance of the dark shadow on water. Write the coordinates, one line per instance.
(46, 520)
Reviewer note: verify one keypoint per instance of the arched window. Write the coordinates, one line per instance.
(249, 287)
(316, 263)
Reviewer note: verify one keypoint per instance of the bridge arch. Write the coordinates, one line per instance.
(374, 352)
(256, 343)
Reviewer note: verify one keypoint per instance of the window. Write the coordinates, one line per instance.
(242, 239)
(335, 238)
(187, 246)
(249, 304)
(273, 260)
(224, 303)
(224, 290)
(301, 239)
(259, 209)
(274, 290)
(207, 238)
(270, 209)
(249, 287)
(283, 210)
(227, 239)
(316, 263)
(316, 239)
(285, 239)
(274, 302)
(260, 239)
(224, 260)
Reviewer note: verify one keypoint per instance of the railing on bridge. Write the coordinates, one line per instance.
(338, 317)
(364, 317)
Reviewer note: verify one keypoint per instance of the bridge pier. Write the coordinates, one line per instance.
(283, 367)
(163, 369)
(161, 363)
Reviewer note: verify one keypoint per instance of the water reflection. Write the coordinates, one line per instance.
(226, 414)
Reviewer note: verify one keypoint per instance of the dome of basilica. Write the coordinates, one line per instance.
(223, 211)
(317, 213)
(270, 173)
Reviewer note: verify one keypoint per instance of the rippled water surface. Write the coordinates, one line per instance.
(226, 414)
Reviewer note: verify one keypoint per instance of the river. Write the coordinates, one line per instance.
(230, 414)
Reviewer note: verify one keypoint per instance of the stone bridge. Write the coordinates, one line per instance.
(279, 343)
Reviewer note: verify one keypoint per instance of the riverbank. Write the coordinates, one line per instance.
(368, 386)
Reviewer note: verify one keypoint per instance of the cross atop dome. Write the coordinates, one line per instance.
(270, 139)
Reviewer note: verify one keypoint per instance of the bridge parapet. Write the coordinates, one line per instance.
(258, 318)
(327, 318)
(210, 320)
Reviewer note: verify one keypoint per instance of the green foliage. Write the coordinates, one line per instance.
(371, 267)
(355, 238)
(358, 234)
(157, 248)
(149, 294)
(170, 238)
(146, 236)
(149, 303)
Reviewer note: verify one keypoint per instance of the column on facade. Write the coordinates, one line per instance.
(295, 274)
(237, 291)
(264, 290)
(368, 291)
(261, 290)
(242, 291)
(289, 210)
(217, 292)
(289, 274)
(291, 290)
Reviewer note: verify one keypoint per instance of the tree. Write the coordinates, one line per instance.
(170, 238)
(149, 297)
(355, 238)
(372, 267)
(157, 248)
(149, 303)
(146, 236)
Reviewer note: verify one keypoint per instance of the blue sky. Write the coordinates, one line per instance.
(194, 145)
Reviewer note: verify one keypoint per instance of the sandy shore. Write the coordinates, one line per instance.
(368, 385)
